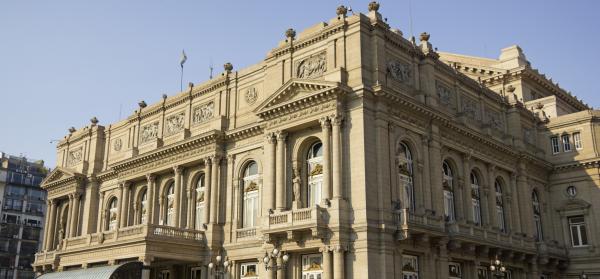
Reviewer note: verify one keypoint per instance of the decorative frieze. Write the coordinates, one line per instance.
(203, 113)
(310, 111)
(175, 123)
(495, 120)
(399, 71)
(149, 132)
(75, 156)
(312, 67)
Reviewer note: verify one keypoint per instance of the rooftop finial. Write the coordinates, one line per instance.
(290, 33)
(228, 67)
(94, 121)
(341, 11)
(72, 130)
(164, 96)
(142, 104)
(425, 37)
(373, 6)
(510, 89)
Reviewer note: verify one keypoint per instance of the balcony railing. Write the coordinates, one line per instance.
(303, 218)
(245, 233)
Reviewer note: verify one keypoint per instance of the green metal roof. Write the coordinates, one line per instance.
(102, 272)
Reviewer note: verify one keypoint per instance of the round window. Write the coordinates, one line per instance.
(571, 191)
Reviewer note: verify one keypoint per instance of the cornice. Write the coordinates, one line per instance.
(469, 82)
(244, 132)
(156, 155)
(586, 164)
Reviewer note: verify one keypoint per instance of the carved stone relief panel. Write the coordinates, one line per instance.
(75, 156)
(175, 123)
(312, 67)
(400, 71)
(117, 144)
(470, 107)
(149, 132)
(202, 113)
(251, 95)
(444, 93)
(495, 120)
(528, 135)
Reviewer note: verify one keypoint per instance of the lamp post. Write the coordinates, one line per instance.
(276, 253)
(497, 268)
(219, 268)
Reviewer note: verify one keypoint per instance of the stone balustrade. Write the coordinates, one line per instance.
(297, 219)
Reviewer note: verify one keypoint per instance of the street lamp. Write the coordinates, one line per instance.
(219, 268)
(274, 255)
(497, 268)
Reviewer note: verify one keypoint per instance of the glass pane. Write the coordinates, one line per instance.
(583, 235)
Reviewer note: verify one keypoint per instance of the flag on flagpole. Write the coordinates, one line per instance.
(183, 58)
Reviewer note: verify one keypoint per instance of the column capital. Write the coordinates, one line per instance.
(51, 202)
(339, 248)
(177, 169)
(70, 196)
(102, 195)
(325, 123)
(336, 120)
(270, 138)
(491, 167)
(76, 195)
(281, 135)
(151, 177)
(325, 248)
(215, 158)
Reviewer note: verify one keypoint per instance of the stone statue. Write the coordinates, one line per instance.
(297, 182)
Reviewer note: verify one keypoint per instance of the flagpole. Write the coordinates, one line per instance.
(181, 80)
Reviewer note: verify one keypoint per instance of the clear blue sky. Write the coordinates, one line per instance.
(62, 62)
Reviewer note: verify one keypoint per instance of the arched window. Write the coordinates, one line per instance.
(476, 199)
(144, 207)
(447, 183)
(537, 216)
(112, 214)
(500, 206)
(315, 173)
(405, 174)
(170, 210)
(200, 203)
(250, 202)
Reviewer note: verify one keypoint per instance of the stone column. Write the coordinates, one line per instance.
(467, 199)
(327, 268)
(516, 223)
(326, 134)
(101, 213)
(214, 201)
(69, 217)
(75, 215)
(120, 212)
(492, 196)
(124, 208)
(336, 146)
(177, 171)
(426, 176)
(150, 198)
(191, 208)
(269, 171)
(51, 225)
(207, 189)
(280, 170)
(435, 173)
(443, 258)
(46, 225)
(147, 262)
(338, 262)
(281, 271)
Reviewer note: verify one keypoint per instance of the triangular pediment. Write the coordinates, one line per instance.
(58, 174)
(573, 204)
(297, 90)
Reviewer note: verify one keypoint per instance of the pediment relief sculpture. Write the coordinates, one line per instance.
(175, 123)
(317, 169)
(444, 93)
(399, 71)
(75, 157)
(203, 113)
(149, 132)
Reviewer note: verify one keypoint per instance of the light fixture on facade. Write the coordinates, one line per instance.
(276, 253)
(497, 268)
(218, 267)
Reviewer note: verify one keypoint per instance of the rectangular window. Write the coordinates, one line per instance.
(249, 271)
(482, 273)
(454, 270)
(312, 266)
(566, 141)
(410, 267)
(250, 209)
(577, 140)
(578, 232)
(555, 145)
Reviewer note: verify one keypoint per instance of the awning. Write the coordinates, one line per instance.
(131, 270)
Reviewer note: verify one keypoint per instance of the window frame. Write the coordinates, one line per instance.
(555, 145)
(581, 229)
(449, 202)
(566, 142)
(577, 141)
(250, 197)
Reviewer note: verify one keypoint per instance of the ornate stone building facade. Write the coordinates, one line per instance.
(348, 152)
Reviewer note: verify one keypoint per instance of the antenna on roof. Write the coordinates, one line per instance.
(210, 66)
(410, 18)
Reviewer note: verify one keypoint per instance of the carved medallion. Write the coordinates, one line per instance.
(75, 156)
(149, 132)
(399, 71)
(312, 67)
(251, 95)
(175, 123)
(117, 145)
(203, 112)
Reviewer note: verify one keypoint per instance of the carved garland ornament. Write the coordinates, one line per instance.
(204, 112)
(312, 67)
(149, 132)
